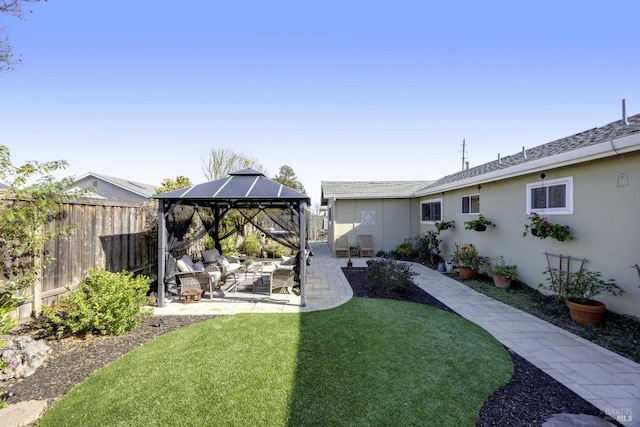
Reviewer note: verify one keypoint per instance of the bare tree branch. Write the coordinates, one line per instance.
(222, 161)
(14, 8)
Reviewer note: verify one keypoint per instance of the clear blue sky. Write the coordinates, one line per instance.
(338, 90)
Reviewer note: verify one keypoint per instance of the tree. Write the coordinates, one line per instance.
(14, 8)
(222, 161)
(169, 184)
(288, 177)
(30, 202)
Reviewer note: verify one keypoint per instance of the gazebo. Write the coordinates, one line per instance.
(247, 191)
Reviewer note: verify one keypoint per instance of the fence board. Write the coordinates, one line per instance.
(110, 234)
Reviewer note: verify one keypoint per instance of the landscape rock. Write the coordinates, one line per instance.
(24, 355)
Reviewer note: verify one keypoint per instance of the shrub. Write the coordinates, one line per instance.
(428, 246)
(106, 303)
(251, 245)
(388, 277)
(405, 250)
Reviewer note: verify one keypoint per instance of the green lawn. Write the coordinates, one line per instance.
(370, 362)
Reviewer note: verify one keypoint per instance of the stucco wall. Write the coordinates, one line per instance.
(395, 220)
(604, 223)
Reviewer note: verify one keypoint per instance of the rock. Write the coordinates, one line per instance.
(576, 420)
(24, 355)
(23, 413)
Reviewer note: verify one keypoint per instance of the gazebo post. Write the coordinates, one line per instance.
(162, 245)
(303, 258)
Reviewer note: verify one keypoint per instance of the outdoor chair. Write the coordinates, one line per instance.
(197, 276)
(227, 268)
(281, 280)
(367, 247)
(342, 248)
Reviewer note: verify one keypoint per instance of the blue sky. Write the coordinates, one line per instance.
(347, 90)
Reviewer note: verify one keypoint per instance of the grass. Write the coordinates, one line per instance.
(367, 362)
(618, 333)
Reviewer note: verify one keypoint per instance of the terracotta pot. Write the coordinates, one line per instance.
(589, 314)
(502, 282)
(467, 273)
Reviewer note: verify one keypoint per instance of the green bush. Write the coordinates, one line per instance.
(106, 303)
(388, 277)
(428, 246)
(251, 245)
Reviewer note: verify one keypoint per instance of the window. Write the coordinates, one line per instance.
(431, 210)
(550, 197)
(471, 204)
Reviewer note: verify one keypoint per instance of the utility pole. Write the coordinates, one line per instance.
(464, 153)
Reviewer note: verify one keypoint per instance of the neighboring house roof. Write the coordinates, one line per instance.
(370, 189)
(603, 134)
(144, 190)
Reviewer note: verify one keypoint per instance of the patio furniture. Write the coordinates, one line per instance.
(193, 295)
(197, 276)
(342, 247)
(281, 280)
(227, 268)
(367, 247)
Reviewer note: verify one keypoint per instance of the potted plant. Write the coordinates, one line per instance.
(578, 290)
(502, 273)
(445, 225)
(468, 261)
(541, 227)
(479, 224)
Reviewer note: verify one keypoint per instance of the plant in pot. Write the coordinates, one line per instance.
(468, 261)
(578, 290)
(479, 224)
(445, 225)
(541, 227)
(502, 273)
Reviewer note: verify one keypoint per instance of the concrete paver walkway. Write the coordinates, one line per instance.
(609, 381)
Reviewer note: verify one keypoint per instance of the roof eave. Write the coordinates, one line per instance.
(604, 149)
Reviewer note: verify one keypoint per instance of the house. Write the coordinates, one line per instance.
(109, 187)
(589, 181)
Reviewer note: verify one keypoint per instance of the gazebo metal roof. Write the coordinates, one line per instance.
(246, 188)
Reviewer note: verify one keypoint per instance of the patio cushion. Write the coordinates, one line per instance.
(210, 255)
(185, 264)
(288, 260)
(198, 266)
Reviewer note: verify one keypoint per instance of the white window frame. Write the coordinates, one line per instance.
(469, 196)
(567, 210)
(428, 202)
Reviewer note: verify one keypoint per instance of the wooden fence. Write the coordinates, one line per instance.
(109, 234)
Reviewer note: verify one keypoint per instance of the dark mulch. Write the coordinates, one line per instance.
(529, 399)
(73, 359)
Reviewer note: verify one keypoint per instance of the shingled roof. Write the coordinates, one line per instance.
(580, 140)
(142, 189)
(370, 189)
(507, 164)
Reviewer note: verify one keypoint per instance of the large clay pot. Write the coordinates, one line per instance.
(467, 273)
(589, 314)
(502, 282)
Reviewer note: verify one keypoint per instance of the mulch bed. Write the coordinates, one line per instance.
(529, 399)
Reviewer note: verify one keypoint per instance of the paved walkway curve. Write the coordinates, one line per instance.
(607, 380)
